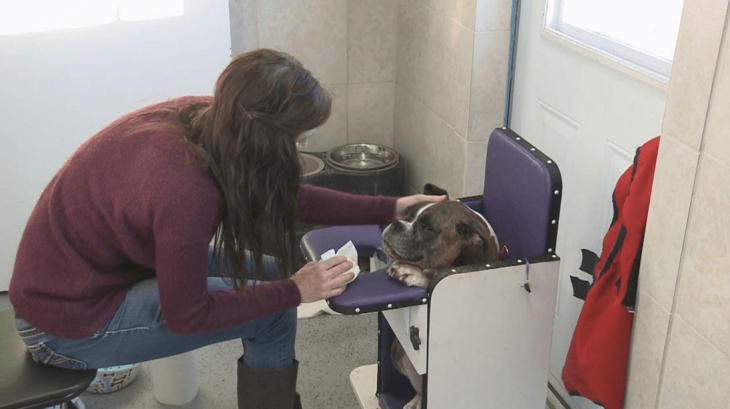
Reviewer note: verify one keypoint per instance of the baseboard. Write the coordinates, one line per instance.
(554, 401)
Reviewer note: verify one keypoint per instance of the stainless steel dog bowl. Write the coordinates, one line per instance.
(310, 164)
(362, 157)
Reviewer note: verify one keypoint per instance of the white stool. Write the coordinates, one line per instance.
(174, 379)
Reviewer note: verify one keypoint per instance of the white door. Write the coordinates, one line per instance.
(590, 118)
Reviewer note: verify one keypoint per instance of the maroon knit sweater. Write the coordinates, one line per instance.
(125, 208)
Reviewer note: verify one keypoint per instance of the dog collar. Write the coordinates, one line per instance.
(503, 252)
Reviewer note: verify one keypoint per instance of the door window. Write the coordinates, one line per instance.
(642, 33)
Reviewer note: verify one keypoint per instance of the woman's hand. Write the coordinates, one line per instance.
(317, 281)
(402, 203)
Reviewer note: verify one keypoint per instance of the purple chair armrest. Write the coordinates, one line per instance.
(376, 291)
(366, 238)
(370, 292)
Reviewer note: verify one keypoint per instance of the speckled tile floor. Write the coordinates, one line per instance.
(328, 348)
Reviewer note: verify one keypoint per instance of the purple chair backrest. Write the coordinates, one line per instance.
(521, 200)
(522, 192)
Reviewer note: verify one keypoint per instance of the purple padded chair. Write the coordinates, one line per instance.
(521, 200)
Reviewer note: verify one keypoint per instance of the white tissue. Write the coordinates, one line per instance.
(327, 255)
(312, 309)
(349, 251)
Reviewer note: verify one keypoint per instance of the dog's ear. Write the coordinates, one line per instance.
(433, 190)
(472, 233)
(479, 244)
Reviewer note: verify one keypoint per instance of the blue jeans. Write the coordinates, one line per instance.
(138, 333)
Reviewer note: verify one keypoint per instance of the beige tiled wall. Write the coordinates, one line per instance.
(434, 57)
(681, 344)
(427, 77)
(696, 373)
(334, 131)
(371, 39)
(698, 44)
(451, 73)
(370, 110)
(349, 45)
(244, 34)
(315, 32)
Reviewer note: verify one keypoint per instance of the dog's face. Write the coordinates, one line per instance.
(441, 234)
(433, 235)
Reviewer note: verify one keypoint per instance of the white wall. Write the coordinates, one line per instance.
(58, 88)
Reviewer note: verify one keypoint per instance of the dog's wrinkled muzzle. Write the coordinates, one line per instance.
(398, 246)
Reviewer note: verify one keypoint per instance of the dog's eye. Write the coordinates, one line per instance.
(425, 224)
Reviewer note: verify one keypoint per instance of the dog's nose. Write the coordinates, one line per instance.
(398, 226)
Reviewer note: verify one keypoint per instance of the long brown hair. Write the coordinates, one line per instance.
(246, 139)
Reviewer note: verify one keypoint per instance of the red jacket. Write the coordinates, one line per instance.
(597, 361)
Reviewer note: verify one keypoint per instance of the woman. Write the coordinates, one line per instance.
(115, 264)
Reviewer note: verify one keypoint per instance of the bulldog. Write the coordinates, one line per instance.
(430, 237)
(435, 235)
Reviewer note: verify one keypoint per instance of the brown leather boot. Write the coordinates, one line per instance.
(273, 388)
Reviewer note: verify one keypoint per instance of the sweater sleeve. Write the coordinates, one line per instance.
(185, 220)
(330, 207)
